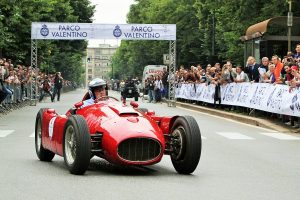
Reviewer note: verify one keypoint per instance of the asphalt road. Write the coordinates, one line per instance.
(238, 162)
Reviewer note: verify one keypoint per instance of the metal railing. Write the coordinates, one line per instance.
(20, 95)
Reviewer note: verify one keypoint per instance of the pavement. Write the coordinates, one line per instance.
(265, 123)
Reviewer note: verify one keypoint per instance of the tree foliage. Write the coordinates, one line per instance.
(198, 22)
(132, 56)
(15, 30)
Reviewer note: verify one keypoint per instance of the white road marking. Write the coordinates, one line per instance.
(280, 136)
(4, 133)
(32, 135)
(234, 136)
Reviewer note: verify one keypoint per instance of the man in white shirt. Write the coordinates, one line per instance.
(241, 76)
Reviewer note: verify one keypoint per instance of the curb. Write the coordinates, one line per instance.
(264, 123)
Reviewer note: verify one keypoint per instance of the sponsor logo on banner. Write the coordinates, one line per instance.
(44, 30)
(117, 32)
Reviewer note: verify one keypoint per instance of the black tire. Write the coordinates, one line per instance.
(143, 110)
(77, 156)
(186, 144)
(136, 98)
(42, 153)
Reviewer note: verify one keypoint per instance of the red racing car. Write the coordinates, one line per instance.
(121, 134)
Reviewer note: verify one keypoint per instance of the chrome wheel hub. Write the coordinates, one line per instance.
(177, 143)
(39, 135)
(70, 145)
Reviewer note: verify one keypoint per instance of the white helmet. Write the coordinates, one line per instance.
(97, 82)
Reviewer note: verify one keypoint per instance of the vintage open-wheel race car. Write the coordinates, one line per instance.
(121, 134)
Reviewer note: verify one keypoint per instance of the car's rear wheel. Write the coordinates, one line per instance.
(185, 144)
(42, 153)
(77, 145)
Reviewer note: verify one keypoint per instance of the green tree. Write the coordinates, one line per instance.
(15, 27)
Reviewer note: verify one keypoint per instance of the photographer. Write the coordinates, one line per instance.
(46, 88)
(58, 81)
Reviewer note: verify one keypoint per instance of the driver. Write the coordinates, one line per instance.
(97, 90)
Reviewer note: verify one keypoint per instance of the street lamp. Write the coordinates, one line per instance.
(289, 24)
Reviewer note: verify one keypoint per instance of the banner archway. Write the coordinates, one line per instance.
(85, 31)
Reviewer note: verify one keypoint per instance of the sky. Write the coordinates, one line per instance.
(110, 12)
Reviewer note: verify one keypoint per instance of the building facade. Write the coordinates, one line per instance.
(98, 62)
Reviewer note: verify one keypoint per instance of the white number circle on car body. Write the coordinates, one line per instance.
(51, 126)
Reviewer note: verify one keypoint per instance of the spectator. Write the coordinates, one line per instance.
(217, 82)
(241, 76)
(296, 80)
(203, 77)
(228, 74)
(297, 54)
(199, 67)
(270, 76)
(3, 90)
(288, 74)
(263, 68)
(58, 80)
(165, 83)
(218, 67)
(158, 87)
(150, 86)
(278, 67)
(46, 88)
(252, 69)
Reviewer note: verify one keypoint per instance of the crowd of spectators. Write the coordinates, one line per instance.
(157, 86)
(274, 71)
(16, 80)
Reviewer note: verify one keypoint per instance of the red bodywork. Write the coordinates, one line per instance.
(115, 122)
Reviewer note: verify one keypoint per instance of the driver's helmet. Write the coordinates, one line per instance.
(95, 83)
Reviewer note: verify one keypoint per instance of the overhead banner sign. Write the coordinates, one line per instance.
(86, 31)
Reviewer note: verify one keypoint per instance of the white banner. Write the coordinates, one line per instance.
(260, 96)
(84, 31)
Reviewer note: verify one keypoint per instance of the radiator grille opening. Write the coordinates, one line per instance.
(139, 149)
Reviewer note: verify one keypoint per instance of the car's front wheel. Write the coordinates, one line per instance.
(42, 153)
(185, 144)
(77, 145)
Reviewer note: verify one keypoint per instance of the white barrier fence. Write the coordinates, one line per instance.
(260, 96)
